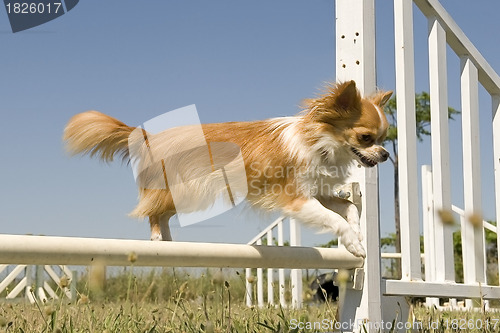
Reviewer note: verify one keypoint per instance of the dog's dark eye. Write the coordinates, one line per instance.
(365, 138)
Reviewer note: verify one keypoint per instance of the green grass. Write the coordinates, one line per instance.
(183, 316)
(171, 300)
(168, 300)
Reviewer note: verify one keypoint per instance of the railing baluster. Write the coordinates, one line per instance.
(440, 149)
(472, 235)
(407, 142)
(295, 274)
(281, 271)
(270, 279)
(496, 162)
(429, 239)
(248, 287)
(260, 282)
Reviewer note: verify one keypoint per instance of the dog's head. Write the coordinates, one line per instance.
(345, 120)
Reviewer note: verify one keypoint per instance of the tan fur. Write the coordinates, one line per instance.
(95, 133)
(335, 129)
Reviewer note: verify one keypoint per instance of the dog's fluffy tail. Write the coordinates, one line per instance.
(97, 134)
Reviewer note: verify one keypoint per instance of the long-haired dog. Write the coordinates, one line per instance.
(292, 164)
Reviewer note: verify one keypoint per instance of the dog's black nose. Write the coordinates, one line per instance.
(385, 155)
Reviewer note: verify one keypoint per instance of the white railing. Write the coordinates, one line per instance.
(51, 250)
(355, 52)
(37, 287)
(23, 284)
(430, 250)
(275, 230)
(295, 274)
(436, 182)
(372, 298)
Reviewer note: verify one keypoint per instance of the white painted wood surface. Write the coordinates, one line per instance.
(440, 289)
(440, 149)
(428, 228)
(114, 252)
(296, 282)
(260, 282)
(495, 101)
(10, 278)
(281, 271)
(459, 42)
(407, 141)
(295, 274)
(248, 287)
(270, 275)
(472, 236)
(355, 60)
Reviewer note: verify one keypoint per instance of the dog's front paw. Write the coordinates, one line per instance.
(352, 243)
(357, 249)
(156, 237)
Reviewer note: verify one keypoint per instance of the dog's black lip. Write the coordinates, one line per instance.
(363, 159)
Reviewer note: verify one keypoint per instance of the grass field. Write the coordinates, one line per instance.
(208, 301)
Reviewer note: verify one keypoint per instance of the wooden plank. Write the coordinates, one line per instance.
(429, 239)
(281, 271)
(115, 252)
(260, 282)
(428, 224)
(473, 235)
(11, 276)
(355, 60)
(437, 289)
(248, 287)
(459, 42)
(261, 234)
(17, 289)
(496, 161)
(407, 141)
(296, 274)
(49, 290)
(440, 150)
(270, 277)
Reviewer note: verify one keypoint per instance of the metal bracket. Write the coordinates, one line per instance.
(350, 192)
(358, 279)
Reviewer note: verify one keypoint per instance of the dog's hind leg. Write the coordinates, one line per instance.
(154, 222)
(160, 230)
(164, 227)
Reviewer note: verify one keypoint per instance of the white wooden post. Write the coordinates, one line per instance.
(440, 149)
(39, 284)
(270, 278)
(295, 274)
(29, 284)
(260, 282)
(407, 141)
(429, 239)
(496, 160)
(472, 235)
(281, 271)
(249, 287)
(355, 60)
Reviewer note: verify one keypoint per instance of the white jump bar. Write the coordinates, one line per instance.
(20, 249)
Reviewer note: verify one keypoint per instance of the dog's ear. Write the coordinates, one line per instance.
(345, 96)
(338, 101)
(382, 98)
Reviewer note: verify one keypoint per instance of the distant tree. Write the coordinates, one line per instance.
(333, 243)
(423, 121)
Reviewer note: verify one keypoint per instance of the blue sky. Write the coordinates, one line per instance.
(134, 60)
